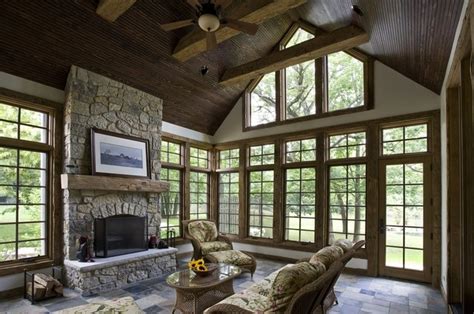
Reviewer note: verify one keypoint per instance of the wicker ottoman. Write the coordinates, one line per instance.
(244, 260)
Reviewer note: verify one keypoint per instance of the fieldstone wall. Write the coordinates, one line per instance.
(90, 278)
(96, 101)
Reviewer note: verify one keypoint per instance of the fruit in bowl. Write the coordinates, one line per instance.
(200, 268)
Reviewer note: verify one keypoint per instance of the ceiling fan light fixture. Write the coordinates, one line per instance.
(209, 22)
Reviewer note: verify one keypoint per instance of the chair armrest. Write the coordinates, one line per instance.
(226, 308)
(301, 260)
(225, 239)
(197, 248)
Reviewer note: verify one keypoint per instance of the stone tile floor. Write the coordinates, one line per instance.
(356, 294)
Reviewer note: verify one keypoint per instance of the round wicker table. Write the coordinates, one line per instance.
(194, 294)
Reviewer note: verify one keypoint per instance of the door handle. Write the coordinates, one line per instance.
(381, 226)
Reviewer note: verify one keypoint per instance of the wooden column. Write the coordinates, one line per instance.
(454, 174)
(468, 184)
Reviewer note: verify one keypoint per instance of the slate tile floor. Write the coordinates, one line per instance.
(356, 294)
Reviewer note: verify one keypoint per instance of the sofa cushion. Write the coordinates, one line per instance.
(232, 257)
(290, 279)
(344, 244)
(264, 286)
(214, 246)
(202, 230)
(327, 255)
(247, 300)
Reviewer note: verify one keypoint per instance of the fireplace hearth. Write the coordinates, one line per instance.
(119, 235)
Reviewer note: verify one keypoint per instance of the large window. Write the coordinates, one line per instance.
(24, 177)
(348, 145)
(263, 101)
(261, 204)
(300, 150)
(262, 155)
(199, 158)
(345, 88)
(347, 202)
(300, 204)
(332, 84)
(171, 152)
(229, 158)
(170, 205)
(405, 139)
(199, 195)
(229, 202)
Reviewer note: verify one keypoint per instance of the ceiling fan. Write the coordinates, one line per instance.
(209, 18)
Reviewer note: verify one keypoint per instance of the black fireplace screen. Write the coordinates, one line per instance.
(120, 234)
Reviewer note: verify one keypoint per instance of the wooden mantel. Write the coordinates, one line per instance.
(105, 183)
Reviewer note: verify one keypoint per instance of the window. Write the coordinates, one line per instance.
(349, 145)
(24, 177)
(262, 155)
(170, 152)
(199, 158)
(347, 205)
(300, 150)
(170, 202)
(300, 204)
(261, 204)
(331, 84)
(345, 88)
(263, 101)
(199, 195)
(405, 139)
(229, 158)
(300, 82)
(229, 202)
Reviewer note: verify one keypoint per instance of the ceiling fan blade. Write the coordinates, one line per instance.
(211, 40)
(245, 27)
(175, 25)
(194, 3)
(222, 3)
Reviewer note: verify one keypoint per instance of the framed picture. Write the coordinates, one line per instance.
(119, 155)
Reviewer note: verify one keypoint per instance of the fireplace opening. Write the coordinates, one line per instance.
(120, 234)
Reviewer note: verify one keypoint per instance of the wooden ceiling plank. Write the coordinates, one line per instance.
(111, 10)
(256, 11)
(338, 40)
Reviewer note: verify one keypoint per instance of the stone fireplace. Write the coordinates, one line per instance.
(95, 101)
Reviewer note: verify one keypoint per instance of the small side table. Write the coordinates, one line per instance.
(195, 294)
(29, 277)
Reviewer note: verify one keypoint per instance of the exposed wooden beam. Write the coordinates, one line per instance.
(340, 39)
(255, 11)
(110, 10)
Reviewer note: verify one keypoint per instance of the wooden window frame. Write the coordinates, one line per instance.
(53, 148)
(181, 193)
(320, 89)
(346, 133)
(429, 136)
(219, 203)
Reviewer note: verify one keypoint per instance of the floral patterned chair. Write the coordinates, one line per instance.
(215, 247)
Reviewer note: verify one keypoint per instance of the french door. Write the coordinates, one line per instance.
(405, 218)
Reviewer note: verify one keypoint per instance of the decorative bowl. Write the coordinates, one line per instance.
(203, 273)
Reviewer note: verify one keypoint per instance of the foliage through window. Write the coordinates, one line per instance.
(300, 204)
(199, 195)
(229, 158)
(262, 155)
(23, 184)
(300, 81)
(348, 145)
(170, 202)
(170, 152)
(405, 139)
(347, 202)
(229, 202)
(263, 101)
(261, 204)
(345, 81)
(301, 150)
(199, 158)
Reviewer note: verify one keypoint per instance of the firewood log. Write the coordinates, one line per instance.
(39, 292)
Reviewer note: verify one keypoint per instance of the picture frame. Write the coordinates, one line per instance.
(115, 154)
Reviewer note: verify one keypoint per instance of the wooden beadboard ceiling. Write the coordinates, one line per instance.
(40, 40)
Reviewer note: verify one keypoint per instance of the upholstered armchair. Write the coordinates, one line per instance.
(214, 247)
(204, 237)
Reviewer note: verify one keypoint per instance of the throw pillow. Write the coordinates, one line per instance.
(344, 244)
